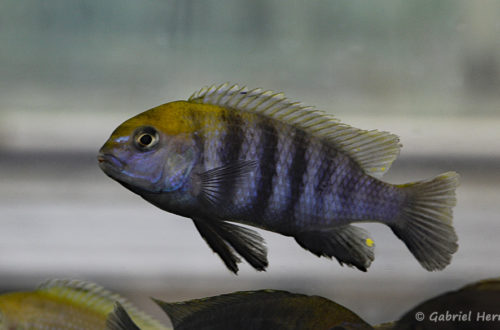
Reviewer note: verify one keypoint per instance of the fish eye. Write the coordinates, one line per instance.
(146, 138)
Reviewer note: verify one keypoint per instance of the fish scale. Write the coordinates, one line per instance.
(232, 155)
(267, 157)
(309, 205)
(245, 193)
(281, 183)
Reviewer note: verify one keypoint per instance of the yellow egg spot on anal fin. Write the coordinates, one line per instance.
(369, 242)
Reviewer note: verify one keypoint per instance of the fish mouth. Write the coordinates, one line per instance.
(108, 162)
(113, 167)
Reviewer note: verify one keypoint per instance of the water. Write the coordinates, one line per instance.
(62, 217)
(72, 71)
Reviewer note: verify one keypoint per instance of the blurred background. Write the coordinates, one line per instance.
(71, 71)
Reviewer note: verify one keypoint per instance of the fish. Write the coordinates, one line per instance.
(263, 309)
(230, 155)
(474, 306)
(120, 320)
(66, 304)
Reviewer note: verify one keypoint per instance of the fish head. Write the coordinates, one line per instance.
(146, 155)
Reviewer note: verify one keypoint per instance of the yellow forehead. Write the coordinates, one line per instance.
(173, 118)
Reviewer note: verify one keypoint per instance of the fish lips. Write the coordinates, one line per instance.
(110, 164)
(113, 167)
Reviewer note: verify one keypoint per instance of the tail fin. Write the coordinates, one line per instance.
(425, 223)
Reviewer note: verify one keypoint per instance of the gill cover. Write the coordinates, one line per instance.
(177, 167)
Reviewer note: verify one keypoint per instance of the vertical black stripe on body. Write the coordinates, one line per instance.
(298, 169)
(229, 150)
(233, 138)
(198, 137)
(268, 157)
(346, 186)
(322, 181)
(326, 170)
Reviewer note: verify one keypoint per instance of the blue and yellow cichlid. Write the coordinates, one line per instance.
(230, 154)
(67, 304)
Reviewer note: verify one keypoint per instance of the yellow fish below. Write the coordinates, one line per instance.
(67, 304)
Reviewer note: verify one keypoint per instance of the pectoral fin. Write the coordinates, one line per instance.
(350, 245)
(215, 185)
(225, 238)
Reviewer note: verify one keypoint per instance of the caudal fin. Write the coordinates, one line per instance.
(425, 223)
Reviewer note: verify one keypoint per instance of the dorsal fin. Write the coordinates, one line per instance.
(373, 150)
(263, 309)
(120, 320)
(95, 297)
(178, 312)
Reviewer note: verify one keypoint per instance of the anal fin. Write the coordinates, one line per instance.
(225, 238)
(350, 245)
